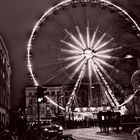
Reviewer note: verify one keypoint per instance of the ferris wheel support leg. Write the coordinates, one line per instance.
(72, 96)
(108, 91)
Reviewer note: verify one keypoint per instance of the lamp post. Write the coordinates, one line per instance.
(39, 100)
(58, 104)
(40, 96)
(59, 101)
(38, 112)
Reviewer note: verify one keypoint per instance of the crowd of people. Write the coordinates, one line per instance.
(104, 120)
(87, 122)
(109, 120)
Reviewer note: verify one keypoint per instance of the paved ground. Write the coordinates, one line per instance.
(95, 134)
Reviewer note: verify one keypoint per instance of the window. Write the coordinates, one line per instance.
(3, 118)
(58, 92)
(66, 93)
(30, 102)
(53, 93)
(47, 93)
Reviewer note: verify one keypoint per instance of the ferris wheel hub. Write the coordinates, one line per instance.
(88, 53)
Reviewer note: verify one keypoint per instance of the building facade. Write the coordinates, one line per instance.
(48, 108)
(54, 105)
(56, 101)
(5, 74)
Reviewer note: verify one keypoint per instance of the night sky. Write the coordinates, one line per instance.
(17, 18)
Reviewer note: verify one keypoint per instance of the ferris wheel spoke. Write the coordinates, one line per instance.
(80, 77)
(99, 41)
(93, 66)
(101, 81)
(104, 89)
(72, 75)
(97, 60)
(76, 41)
(68, 80)
(47, 36)
(87, 17)
(109, 50)
(90, 82)
(95, 32)
(99, 15)
(71, 51)
(122, 39)
(55, 62)
(72, 63)
(81, 37)
(109, 93)
(60, 26)
(106, 56)
(105, 72)
(89, 68)
(85, 14)
(90, 72)
(88, 35)
(72, 19)
(72, 46)
(111, 79)
(60, 71)
(71, 58)
(103, 45)
(93, 37)
(95, 69)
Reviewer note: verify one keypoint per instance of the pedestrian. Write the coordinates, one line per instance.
(100, 122)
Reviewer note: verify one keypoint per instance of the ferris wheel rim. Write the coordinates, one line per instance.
(49, 12)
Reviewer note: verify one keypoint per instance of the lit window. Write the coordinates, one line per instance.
(30, 94)
(58, 92)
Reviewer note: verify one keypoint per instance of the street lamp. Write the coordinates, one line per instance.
(40, 99)
(59, 101)
(128, 56)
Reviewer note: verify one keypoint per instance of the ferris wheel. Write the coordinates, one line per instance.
(83, 42)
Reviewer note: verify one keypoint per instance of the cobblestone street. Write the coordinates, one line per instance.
(95, 134)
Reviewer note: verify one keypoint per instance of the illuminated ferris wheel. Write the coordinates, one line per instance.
(83, 42)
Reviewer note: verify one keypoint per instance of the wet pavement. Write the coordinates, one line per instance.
(95, 134)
